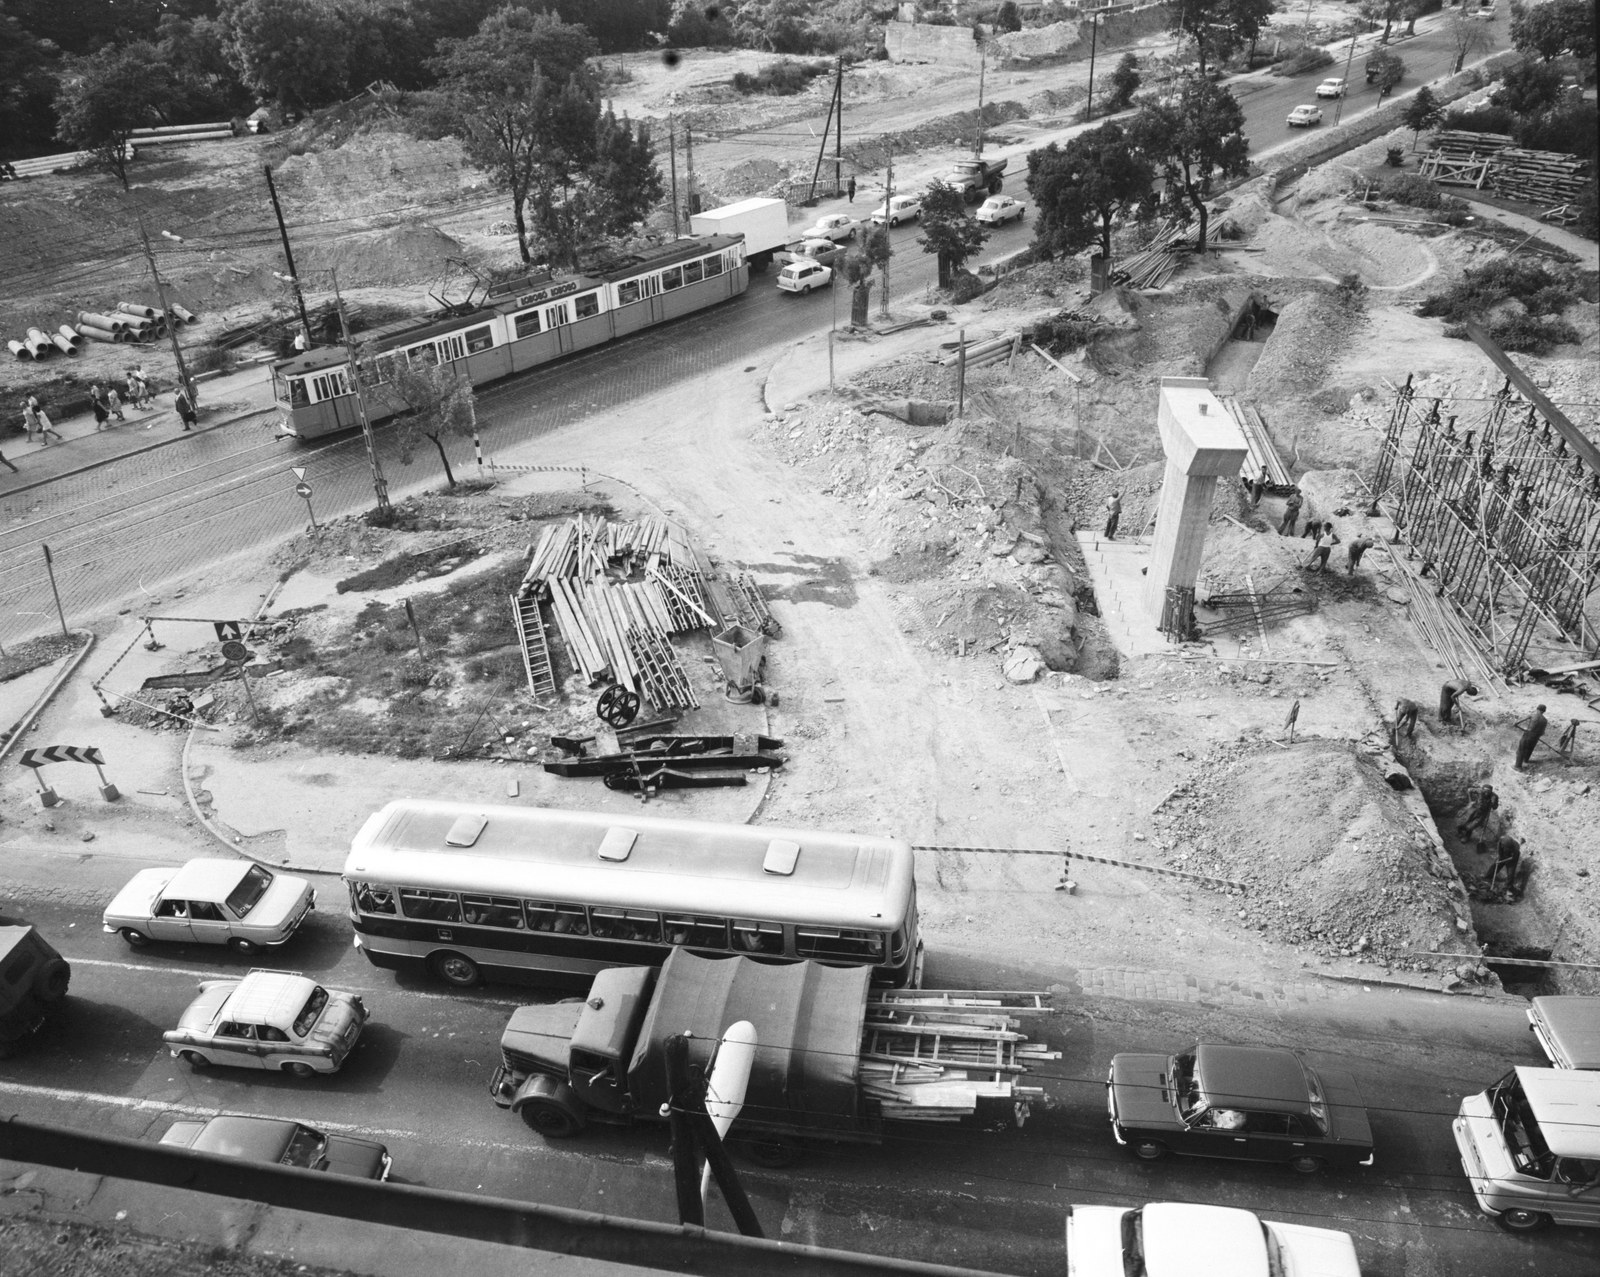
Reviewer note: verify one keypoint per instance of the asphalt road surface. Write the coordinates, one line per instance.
(992, 1199)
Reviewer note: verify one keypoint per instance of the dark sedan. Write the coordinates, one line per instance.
(283, 1143)
(1250, 1103)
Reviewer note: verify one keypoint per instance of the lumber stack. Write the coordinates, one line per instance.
(664, 681)
(586, 545)
(683, 597)
(594, 619)
(1262, 452)
(1157, 263)
(1463, 144)
(1540, 177)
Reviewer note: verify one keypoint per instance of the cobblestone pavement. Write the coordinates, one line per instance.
(1175, 986)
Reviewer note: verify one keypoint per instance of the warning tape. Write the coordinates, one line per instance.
(1099, 860)
(495, 465)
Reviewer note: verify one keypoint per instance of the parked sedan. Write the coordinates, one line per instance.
(815, 250)
(212, 901)
(1179, 1239)
(1303, 117)
(1568, 1028)
(999, 209)
(836, 228)
(1333, 87)
(1250, 1103)
(274, 1020)
(281, 1142)
(901, 208)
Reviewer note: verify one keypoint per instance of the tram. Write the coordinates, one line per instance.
(521, 324)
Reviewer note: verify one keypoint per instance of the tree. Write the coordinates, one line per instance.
(1469, 37)
(1529, 87)
(1385, 70)
(27, 85)
(1191, 139)
(197, 51)
(871, 255)
(625, 174)
(109, 94)
(617, 24)
(947, 230)
(1422, 112)
(1553, 28)
(1125, 81)
(1009, 17)
(1384, 11)
(1221, 26)
(438, 406)
(293, 51)
(1079, 189)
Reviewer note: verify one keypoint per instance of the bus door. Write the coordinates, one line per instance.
(556, 320)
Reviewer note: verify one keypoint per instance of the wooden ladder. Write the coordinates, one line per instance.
(535, 651)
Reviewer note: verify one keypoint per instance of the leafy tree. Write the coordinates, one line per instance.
(293, 51)
(1125, 82)
(1009, 18)
(83, 26)
(617, 24)
(438, 407)
(1384, 11)
(1469, 37)
(1529, 87)
(197, 51)
(27, 85)
(1411, 10)
(947, 230)
(625, 175)
(1422, 112)
(386, 42)
(109, 94)
(1191, 139)
(706, 27)
(871, 255)
(1079, 189)
(1221, 26)
(1555, 27)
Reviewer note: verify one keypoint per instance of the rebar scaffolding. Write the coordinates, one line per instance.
(1500, 499)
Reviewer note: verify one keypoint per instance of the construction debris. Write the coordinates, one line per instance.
(1489, 161)
(1153, 267)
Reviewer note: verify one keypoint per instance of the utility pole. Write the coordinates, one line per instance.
(672, 151)
(380, 485)
(1094, 38)
(167, 315)
(888, 201)
(688, 161)
(983, 63)
(1348, 59)
(288, 255)
(838, 132)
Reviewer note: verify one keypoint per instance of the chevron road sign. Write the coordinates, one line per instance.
(62, 754)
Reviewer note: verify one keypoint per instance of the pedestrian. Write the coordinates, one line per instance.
(1484, 802)
(37, 419)
(1449, 696)
(185, 406)
(850, 187)
(132, 385)
(1507, 856)
(97, 401)
(1326, 540)
(1291, 513)
(114, 403)
(1290, 721)
(1405, 720)
(1530, 737)
(1113, 515)
(145, 395)
(1313, 530)
(1356, 549)
(1262, 482)
(7, 464)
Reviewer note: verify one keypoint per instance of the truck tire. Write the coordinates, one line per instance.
(552, 1109)
(996, 185)
(50, 984)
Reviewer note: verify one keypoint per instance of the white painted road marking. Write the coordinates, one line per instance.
(230, 975)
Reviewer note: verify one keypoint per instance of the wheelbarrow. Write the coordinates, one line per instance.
(740, 653)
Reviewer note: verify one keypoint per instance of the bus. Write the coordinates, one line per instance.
(469, 893)
(521, 324)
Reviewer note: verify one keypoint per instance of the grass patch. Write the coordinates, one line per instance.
(408, 567)
(1518, 302)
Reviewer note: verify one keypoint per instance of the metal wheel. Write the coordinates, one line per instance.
(1522, 1221)
(1149, 1150)
(299, 1069)
(137, 939)
(194, 1059)
(456, 969)
(619, 705)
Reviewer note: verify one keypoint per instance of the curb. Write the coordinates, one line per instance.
(45, 697)
(1390, 982)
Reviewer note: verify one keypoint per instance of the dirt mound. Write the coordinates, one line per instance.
(1311, 333)
(395, 255)
(376, 171)
(1332, 858)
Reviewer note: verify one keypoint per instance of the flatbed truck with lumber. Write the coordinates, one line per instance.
(834, 1058)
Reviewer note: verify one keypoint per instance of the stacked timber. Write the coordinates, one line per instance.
(587, 545)
(1261, 451)
(1462, 144)
(1157, 263)
(1539, 177)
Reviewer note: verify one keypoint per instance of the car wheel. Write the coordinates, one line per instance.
(553, 1117)
(242, 946)
(137, 939)
(299, 1070)
(774, 1153)
(194, 1059)
(1149, 1150)
(1522, 1221)
(1306, 1164)
(50, 985)
(456, 969)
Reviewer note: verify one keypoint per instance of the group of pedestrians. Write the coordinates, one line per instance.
(108, 404)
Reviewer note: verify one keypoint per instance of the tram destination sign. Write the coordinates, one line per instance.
(545, 294)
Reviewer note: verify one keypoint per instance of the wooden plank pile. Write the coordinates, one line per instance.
(586, 545)
(929, 1055)
(1461, 144)
(597, 621)
(1157, 263)
(1261, 450)
(1540, 177)
(681, 593)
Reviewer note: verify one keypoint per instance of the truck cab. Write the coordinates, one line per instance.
(976, 178)
(33, 982)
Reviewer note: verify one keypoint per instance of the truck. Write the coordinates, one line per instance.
(764, 224)
(33, 982)
(835, 1058)
(977, 178)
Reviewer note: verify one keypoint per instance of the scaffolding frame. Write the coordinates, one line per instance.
(1500, 498)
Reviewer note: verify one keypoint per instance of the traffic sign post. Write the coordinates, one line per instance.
(302, 489)
(38, 758)
(238, 655)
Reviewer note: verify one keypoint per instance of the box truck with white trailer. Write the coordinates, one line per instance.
(764, 223)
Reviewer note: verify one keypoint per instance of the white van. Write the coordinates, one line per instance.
(1530, 1145)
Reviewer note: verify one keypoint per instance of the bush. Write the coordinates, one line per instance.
(1408, 188)
(1525, 334)
(1062, 333)
(1572, 130)
(964, 286)
(1307, 58)
(783, 78)
(211, 358)
(1540, 291)
(1395, 156)
(1482, 119)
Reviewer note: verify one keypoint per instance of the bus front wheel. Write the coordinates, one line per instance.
(456, 969)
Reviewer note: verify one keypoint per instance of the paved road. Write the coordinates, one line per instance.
(986, 1199)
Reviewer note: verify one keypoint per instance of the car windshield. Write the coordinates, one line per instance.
(243, 898)
(305, 1149)
(1133, 1244)
(1185, 1086)
(312, 1009)
(1520, 1129)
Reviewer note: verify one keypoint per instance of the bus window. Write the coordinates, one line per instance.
(693, 272)
(757, 937)
(698, 933)
(672, 278)
(528, 324)
(628, 293)
(587, 305)
(825, 942)
(370, 899)
(298, 398)
(713, 266)
(492, 911)
(625, 924)
(479, 339)
(432, 906)
(562, 919)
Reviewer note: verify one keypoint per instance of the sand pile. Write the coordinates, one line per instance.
(394, 255)
(1331, 856)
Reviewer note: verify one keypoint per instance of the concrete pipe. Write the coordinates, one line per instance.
(183, 316)
(62, 344)
(71, 334)
(105, 322)
(37, 342)
(143, 312)
(19, 350)
(99, 334)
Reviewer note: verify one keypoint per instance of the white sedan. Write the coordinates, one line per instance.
(1331, 88)
(279, 1021)
(211, 901)
(837, 227)
(902, 208)
(1305, 116)
(1000, 209)
(1174, 1239)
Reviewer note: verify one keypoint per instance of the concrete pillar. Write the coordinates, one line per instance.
(1203, 444)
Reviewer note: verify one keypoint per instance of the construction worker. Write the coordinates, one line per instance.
(1262, 482)
(1291, 513)
(1484, 802)
(1313, 530)
(1451, 693)
(1326, 540)
(1508, 855)
(1405, 720)
(1113, 515)
(1530, 737)
(1356, 549)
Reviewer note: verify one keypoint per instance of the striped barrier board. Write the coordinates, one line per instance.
(1099, 860)
(62, 754)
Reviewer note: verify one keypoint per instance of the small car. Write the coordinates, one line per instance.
(280, 1021)
(999, 209)
(211, 901)
(282, 1142)
(1333, 87)
(816, 250)
(1568, 1028)
(804, 276)
(1180, 1239)
(33, 982)
(1305, 116)
(1250, 1103)
(836, 228)
(900, 208)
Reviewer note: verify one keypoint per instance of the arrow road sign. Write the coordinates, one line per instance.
(302, 490)
(227, 630)
(62, 754)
